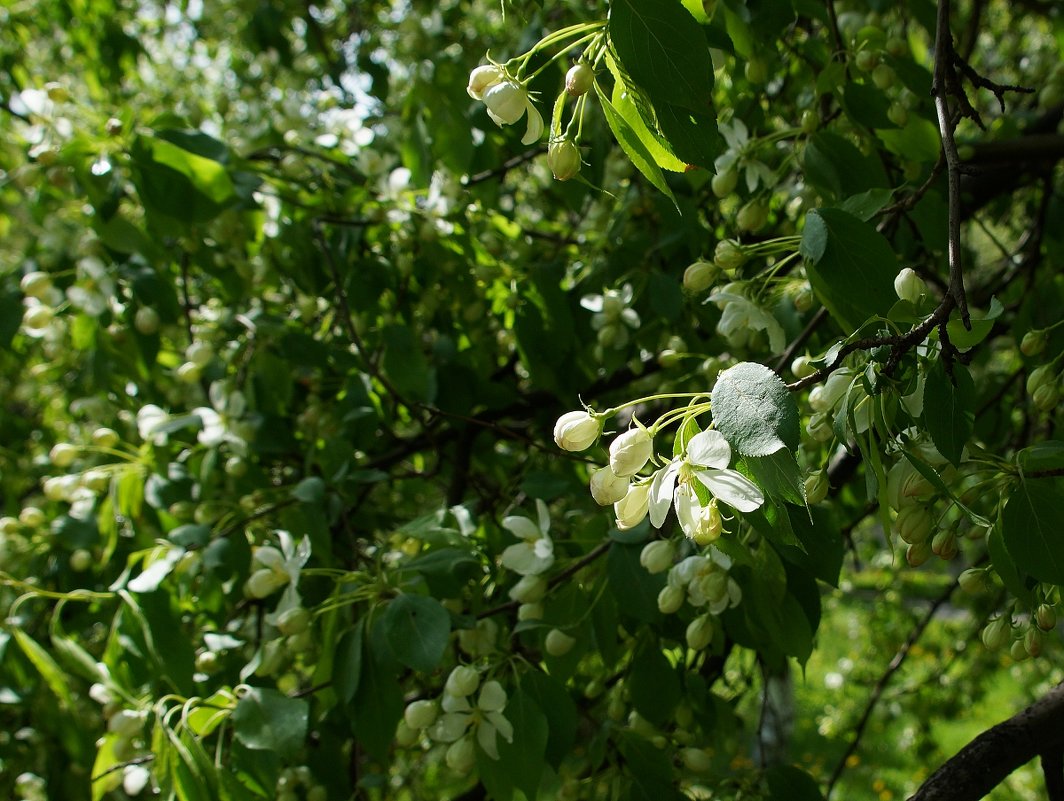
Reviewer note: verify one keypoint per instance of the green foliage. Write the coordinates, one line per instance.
(288, 322)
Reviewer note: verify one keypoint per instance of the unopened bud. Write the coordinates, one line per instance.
(816, 488)
(973, 580)
(630, 451)
(729, 255)
(558, 643)
(420, 714)
(607, 487)
(35, 284)
(462, 681)
(657, 556)
(576, 431)
(1033, 640)
(63, 454)
(995, 634)
(802, 367)
(944, 544)
(563, 158)
(1045, 397)
(1033, 343)
(752, 217)
(723, 183)
(1018, 650)
(1040, 377)
(909, 286)
(670, 599)
(699, 632)
(913, 524)
(700, 276)
(529, 590)
(918, 553)
(579, 79)
(696, 760)
(1046, 617)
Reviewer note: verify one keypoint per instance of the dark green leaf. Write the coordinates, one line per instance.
(788, 783)
(1006, 568)
(754, 411)
(554, 700)
(309, 490)
(417, 628)
(779, 475)
(405, 365)
(523, 759)
(635, 589)
(1033, 528)
(982, 324)
(654, 686)
(867, 105)
(1048, 455)
(347, 667)
(266, 719)
(949, 409)
(377, 705)
(662, 47)
(917, 141)
(850, 265)
(692, 136)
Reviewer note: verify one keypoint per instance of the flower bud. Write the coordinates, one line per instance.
(913, 524)
(729, 255)
(607, 487)
(36, 284)
(530, 611)
(294, 621)
(461, 756)
(699, 632)
(264, 582)
(63, 454)
(126, 723)
(696, 760)
(1046, 397)
(724, 183)
(995, 634)
(579, 79)
(804, 299)
(918, 553)
(146, 320)
(1033, 342)
(632, 508)
(575, 431)
(700, 276)
(37, 317)
(506, 100)
(420, 714)
(819, 427)
(752, 217)
(1033, 641)
(1018, 650)
(657, 556)
(558, 643)
(462, 681)
(816, 488)
(105, 437)
(909, 286)
(1046, 617)
(199, 352)
(973, 580)
(529, 590)
(563, 158)
(670, 599)
(80, 560)
(630, 451)
(482, 78)
(944, 544)
(31, 517)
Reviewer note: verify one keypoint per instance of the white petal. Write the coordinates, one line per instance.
(733, 488)
(486, 738)
(450, 727)
(543, 548)
(709, 449)
(543, 515)
(521, 527)
(688, 510)
(593, 303)
(502, 725)
(492, 697)
(535, 125)
(661, 489)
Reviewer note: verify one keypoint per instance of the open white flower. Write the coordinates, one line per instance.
(535, 553)
(706, 460)
(506, 98)
(486, 717)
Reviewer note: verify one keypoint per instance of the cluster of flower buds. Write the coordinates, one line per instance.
(1043, 386)
(700, 580)
(454, 720)
(911, 495)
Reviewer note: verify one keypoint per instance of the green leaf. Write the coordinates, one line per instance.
(634, 148)
(555, 702)
(635, 589)
(445, 570)
(309, 490)
(50, 671)
(626, 101)
(523, 759)
(684, 433)
(377, 705)
(180, 183)
(1048, 455)
(836, 166)
(982, 324)
(867, 105)
(1015, 583)
(949, 410)
(654, 686)
(788, 783)
(754, 411)
(851, 266)
(693, 136)
(865, 205)
(662, 47)
(103, 782)
(779, 475)
(917, 141)
(405, 365)
(417, 630)
(1033, 528)
(822, 543)
(347, 667)
(265, 719)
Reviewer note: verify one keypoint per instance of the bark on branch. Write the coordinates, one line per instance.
(987, 760)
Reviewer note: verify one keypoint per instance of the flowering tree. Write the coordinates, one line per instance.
(642, 400)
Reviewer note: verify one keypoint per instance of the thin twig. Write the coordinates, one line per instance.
(881, 685)
(801, 339)
(945, 83)
(502, 169)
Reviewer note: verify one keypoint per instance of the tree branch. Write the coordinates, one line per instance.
(987, 760)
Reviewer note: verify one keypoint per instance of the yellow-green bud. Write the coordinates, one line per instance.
(1046, 617)
(657, 556)
(699, 632)
(63, 454)
(670, 599)
(700, 276)
(630, 451)
(607, 487)
(36, 284)
(752, 217)
(909, 286)
(918, 553)
(913, 524)
(462, 681)
(816, 487)
(1033, 641)
(420, 714)
(558, 643)
(996, 633)
(724, 183)
(1033, 342)
(696, 760)
(729, 255)
(563, 158)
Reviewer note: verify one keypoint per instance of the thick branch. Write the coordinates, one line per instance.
(987, 760)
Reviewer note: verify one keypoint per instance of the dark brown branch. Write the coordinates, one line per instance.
(1053, 769)
(881, 685)
(987, 760)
